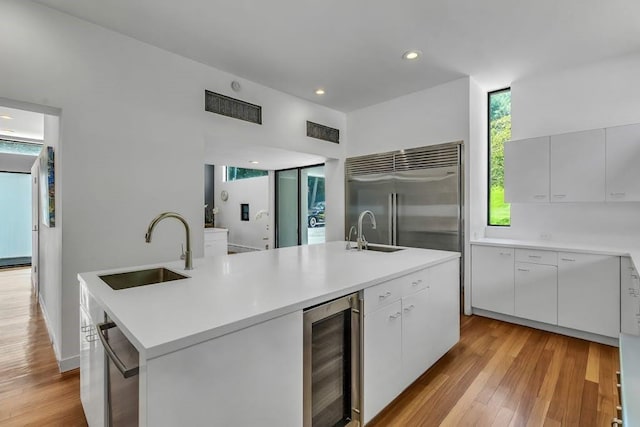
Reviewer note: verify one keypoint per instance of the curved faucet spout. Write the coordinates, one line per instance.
(362, 243)
(188, 257)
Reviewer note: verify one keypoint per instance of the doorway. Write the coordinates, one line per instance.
(15, 219)
(300, 206)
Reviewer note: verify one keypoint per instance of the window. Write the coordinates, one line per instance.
(499, 133)
(234, 174)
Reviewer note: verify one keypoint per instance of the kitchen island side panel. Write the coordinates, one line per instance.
(249, 377)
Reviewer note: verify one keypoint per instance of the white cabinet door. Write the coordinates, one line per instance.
(416, 339)
(526, 170)
(623, 163)
(382, 358)
(536, 292)
(444, 308)
(492, 286)
(92, 372)
(589, 293)
(578, 167)
(629, 298)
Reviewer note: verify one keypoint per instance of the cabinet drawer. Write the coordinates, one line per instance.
(537, 256)
(211, 237)
(383, 294)
(414, 282)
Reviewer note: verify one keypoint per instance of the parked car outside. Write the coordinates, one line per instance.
(315, 216)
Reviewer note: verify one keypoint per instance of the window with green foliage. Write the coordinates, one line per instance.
(499, 133)
(234, 174)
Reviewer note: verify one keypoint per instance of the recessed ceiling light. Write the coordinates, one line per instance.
(8, 130)
(319, 91)
(255, 162)
(4, 116)
(411, 54)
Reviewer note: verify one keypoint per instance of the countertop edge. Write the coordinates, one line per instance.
(553, 246)
(89, 278)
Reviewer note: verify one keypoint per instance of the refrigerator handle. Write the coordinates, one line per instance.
(395, 218)
(391, 218)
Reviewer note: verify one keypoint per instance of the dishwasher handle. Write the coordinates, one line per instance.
(126, 372)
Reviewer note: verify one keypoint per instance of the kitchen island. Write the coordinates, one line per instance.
(225, 345)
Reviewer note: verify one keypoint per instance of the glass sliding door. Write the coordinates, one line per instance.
(287, 208)
(300, 203)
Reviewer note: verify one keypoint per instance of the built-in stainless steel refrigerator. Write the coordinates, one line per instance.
(416, 196)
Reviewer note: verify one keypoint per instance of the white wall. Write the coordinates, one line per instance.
(444, 113)
(255, 191)
(50, 246)
(594, 96)
(133, 131)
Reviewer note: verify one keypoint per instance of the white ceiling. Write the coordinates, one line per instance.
(22, 125)
(241, 154)
(353, 48)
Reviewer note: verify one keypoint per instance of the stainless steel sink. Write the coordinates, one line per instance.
(132, 279)
(383, 248)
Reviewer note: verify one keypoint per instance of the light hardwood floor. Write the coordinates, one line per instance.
(32, 390)
(498, 374)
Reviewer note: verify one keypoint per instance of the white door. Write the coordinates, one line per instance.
(35, 227)
(578, 167)
(536, 292)
(623, 158)
(416, 345)
(589, 293)
(526, 170)
(492, 285)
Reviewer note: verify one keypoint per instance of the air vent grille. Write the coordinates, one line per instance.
(370, 164)
(426, 158)
(231, 107)
(326, 133)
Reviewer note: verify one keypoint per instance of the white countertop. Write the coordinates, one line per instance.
(228, 293)
(633, 253)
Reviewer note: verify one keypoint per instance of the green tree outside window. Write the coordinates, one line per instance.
(499, 133)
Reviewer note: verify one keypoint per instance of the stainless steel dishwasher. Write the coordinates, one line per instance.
(332, 348)
(121, 376)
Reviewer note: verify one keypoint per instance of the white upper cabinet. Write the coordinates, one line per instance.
(578, 167)
(623, 163)
(526, 170)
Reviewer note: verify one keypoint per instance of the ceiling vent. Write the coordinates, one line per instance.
(231, 107)
(325, 133)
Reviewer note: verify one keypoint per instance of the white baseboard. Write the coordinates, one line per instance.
(69, 364)
(64, 365)
(549, 328)
(52, 336)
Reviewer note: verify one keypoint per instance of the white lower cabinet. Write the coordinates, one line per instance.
(629, 298)
(589, 293)
(536, 292)
(382, 358)
(405, 336)
(492, 278)
(92, 372)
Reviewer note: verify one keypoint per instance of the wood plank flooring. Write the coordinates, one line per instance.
(32, 390)
(499, 374)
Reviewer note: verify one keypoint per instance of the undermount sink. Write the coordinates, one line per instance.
(383, 248)
(132, 279)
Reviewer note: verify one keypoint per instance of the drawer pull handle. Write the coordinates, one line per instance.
(386, 295)
(539, 196)
(616, 422)
(523, 269)
(559, 196)
(505, 253)
(618, 194)
(535, 256)
(395, 316)
(416, 283)
(568, 259)
(411, 307)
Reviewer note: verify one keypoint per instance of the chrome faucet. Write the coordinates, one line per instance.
(352, 230)
(188, 258)
(362, 242)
